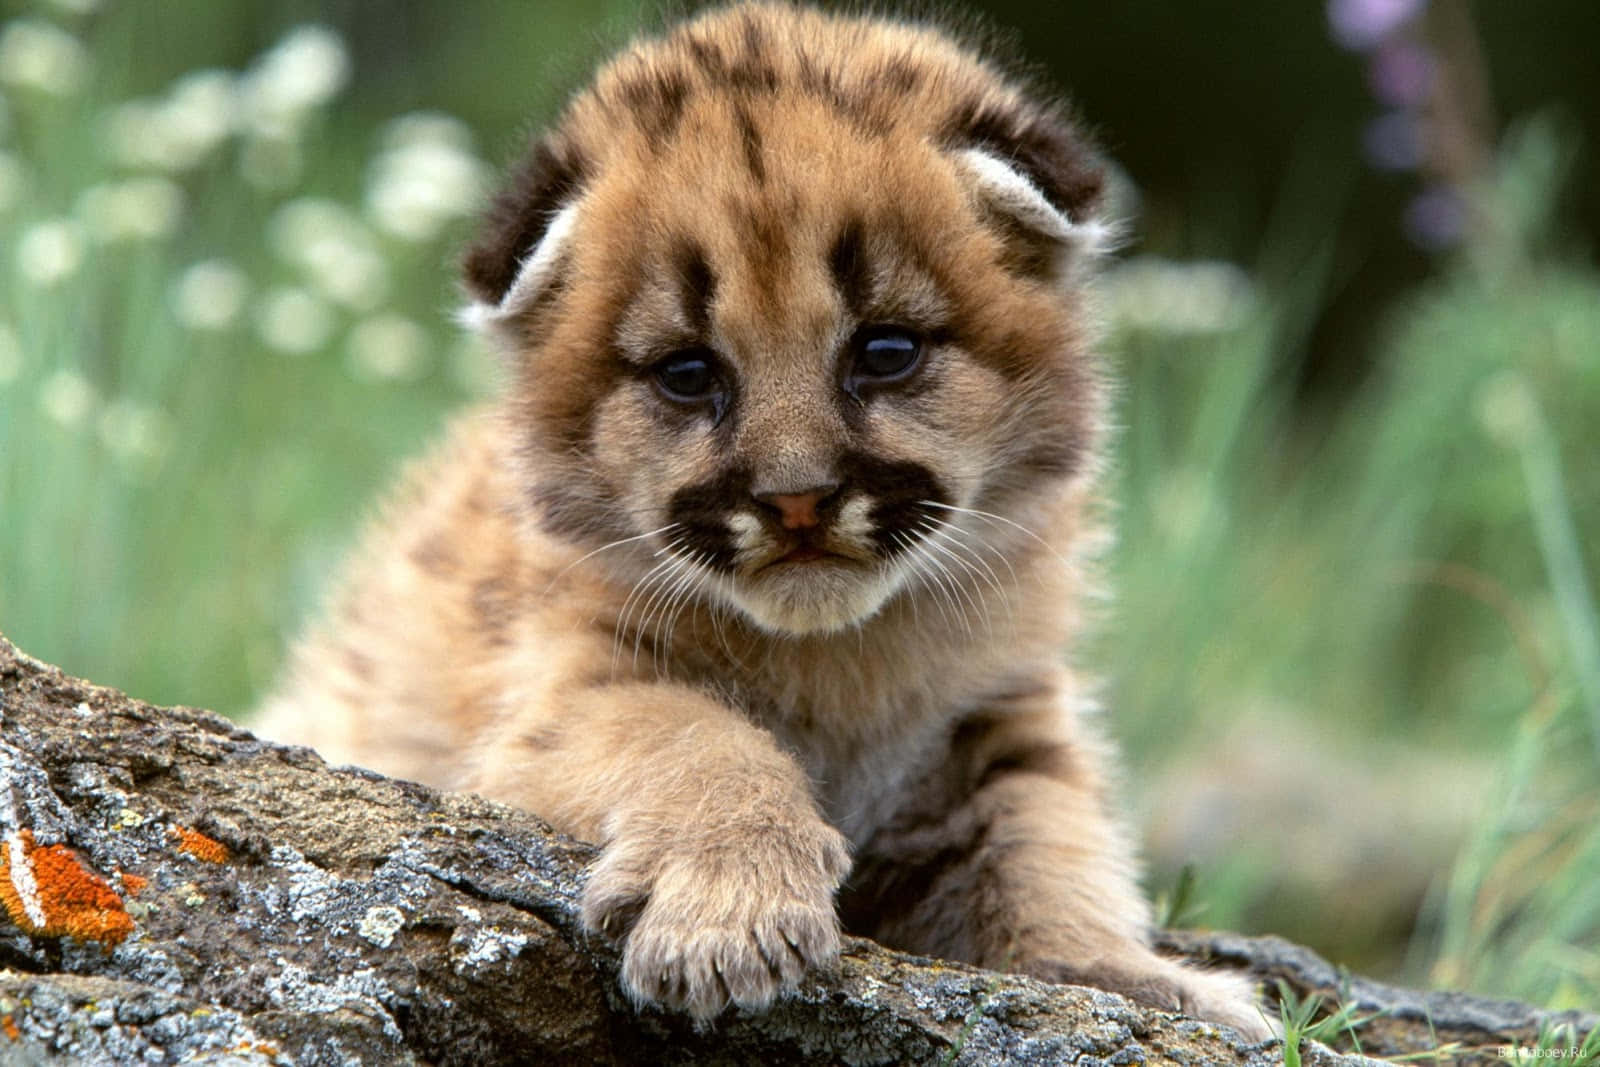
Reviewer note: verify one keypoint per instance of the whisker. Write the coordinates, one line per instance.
(937, 580)
(992, 517)
(971, 537)
(916, 617)
(960, 586)
(945, 533)
(680, 563)
(677, 601)
(656, 576)
(606, 547)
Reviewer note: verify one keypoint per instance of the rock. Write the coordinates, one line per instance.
(175, 889)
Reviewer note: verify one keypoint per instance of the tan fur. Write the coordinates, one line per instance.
(574, 605)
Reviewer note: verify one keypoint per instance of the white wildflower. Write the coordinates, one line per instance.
(425, 175)
(136, 134)
(180, 131)
(38, 55)
(13, 180)
(209, 295)
(50, 251)
(139, 437)
(388, 347)
(299, 74)
(294, 321)
(1204, 296)
(10, 355)
(334, 249)
(200, 113)
(67, 397)
(138, 208)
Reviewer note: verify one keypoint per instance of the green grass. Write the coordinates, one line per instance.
(1324, 629)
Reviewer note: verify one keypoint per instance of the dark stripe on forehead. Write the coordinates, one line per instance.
(750, 71)
(697, 287)
(847, 262)
(750, 141)
(853, 105)
(656, 102)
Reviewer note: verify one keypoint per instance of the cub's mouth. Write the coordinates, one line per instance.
(806, 553)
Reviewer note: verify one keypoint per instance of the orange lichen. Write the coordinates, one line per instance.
(203, 848)
(133, 884)
(10, 1026)
(47, 891)
(262, 1048)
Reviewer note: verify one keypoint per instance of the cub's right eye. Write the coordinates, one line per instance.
(692, 377)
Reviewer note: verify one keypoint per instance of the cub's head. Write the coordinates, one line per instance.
(791, 299)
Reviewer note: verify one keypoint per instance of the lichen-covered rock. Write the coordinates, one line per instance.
(174, 889)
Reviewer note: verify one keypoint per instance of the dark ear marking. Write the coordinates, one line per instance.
(1044, 146)
(519, 216)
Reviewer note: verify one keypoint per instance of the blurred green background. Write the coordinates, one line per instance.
(1353, 653)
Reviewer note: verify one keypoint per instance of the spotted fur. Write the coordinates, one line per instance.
(728, 583)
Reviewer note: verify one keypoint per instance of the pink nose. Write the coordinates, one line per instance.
(797, 511)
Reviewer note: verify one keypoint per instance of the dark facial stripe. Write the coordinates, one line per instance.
(701, 512)
(697, 287)
(750, 141)
(896, 489)
(656, 103)
(847, 260)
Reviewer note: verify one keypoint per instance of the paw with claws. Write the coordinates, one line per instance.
(708, 919)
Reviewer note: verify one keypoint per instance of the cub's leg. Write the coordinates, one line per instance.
(1007, 857)
(717, 872)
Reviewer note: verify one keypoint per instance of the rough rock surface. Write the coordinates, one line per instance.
(174, 889)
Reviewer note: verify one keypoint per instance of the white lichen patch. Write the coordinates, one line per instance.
(380, 924)
(297, 989)
(484, 946)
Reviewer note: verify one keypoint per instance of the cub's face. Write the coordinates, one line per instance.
(792, 364)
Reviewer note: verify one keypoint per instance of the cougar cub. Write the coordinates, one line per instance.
(762, 573)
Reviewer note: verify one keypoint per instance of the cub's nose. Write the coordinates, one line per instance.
(798, 511)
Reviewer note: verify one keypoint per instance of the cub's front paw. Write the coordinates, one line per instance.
(1165, 984)
(706, 921)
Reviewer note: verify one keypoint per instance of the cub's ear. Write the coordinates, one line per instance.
(525, 235)
(1039, 183)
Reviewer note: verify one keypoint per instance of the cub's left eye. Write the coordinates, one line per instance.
(687, 376)
(885, 354)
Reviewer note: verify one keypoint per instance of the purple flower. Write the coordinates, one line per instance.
(1400, 73)
(1436, 219)
(1393, 141)
(1360, 25)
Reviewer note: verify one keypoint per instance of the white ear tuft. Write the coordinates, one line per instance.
(533, 277)
(1006, 190)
